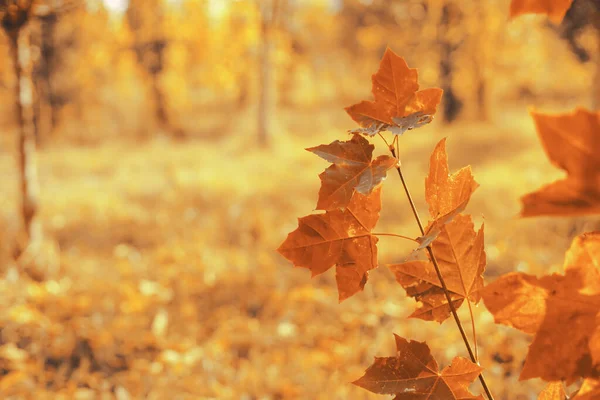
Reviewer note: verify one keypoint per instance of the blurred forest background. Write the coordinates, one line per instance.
(151, 160)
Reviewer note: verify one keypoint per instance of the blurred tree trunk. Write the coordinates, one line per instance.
(158, 95)
(581, 15)
(268, 14)
(596, 83)
(145, 20)
(15, 24)
(448, 43)
(286, 25)
(479, 58)
(47, 117)
(243, 93)
(238, 22)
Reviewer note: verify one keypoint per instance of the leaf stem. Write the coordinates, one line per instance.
(383, 138)
(395, 235)
(474, 330)
(442, 282)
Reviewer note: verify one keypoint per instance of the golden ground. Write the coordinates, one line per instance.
(168, 284)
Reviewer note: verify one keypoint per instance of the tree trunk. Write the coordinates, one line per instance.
(243, 92)
(286, 86)
(479, 58)
(452, 104)
(48, 109)
(160, 109)
(145, 19)
(21, 56)
(596, 82)
(268, 15)
(264, 82)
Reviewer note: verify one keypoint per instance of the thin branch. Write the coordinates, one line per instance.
(474, 330)
(442, 282)
(395, 235)
(383, 138)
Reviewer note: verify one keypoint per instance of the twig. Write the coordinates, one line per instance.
(474, 330)
(442, 282)
(395, 235)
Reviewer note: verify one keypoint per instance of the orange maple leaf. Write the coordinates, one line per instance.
(572, 143)
(353, 170)
(553, 308)
(460, 254)
(339, 237)
(555, 9)
(447, 195)
(554, 391)
(413, 374)
(399, 105)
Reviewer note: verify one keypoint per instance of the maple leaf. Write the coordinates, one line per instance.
(460, 254)
(447, 195)
(399, 105)
(412, 121)
(339, 237)
(554, 391)
(413, 374)
(555, 9)
(553, 308)
(572, 143)
(353, 170)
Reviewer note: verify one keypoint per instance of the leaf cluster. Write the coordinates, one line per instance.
(561, 311)
(342, 234)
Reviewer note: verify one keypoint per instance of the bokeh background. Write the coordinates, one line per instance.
(170, 137)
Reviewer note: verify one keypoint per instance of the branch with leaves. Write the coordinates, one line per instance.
(342, 235)
(550, 308)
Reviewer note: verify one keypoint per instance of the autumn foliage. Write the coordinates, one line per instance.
(154, 155)
(572, 143)
(399, 104)
(554, 307)
(414, 372)
(560, 311)
(555, 9)
(343, 235)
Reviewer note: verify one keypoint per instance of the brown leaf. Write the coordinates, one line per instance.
(397, 99)
(413, 374)
(353, 170)
(411, 121)
(554, 391)
(553, 308)
(460, 254)
(555, 9)
(339, 237)
(447, 195)
(572, 143)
